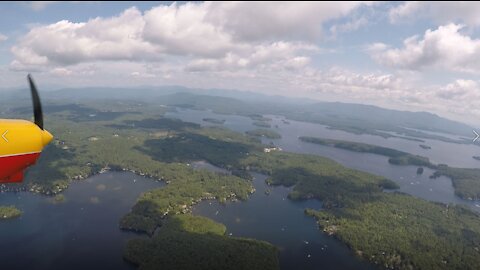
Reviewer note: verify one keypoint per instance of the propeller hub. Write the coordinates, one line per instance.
(46, 137)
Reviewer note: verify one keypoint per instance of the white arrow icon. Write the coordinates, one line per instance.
(477, 136)
(4, 135)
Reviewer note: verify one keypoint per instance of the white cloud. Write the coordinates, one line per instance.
(176, 41)
(278, 54)
(184, 30)
(376, 47)
(459, 99)
(40, 5)
(255, 21)
(65, 43)
(465, 12)
(343, 84)
(405, 10)
(141, 75)
(3, 37)
(460, 90)
(446, 48)
(61, 71)
(208, 30)
(349, 26)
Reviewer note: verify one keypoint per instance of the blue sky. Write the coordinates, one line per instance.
(401, 55)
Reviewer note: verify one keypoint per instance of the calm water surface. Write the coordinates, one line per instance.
(274, 218)
(80, 233)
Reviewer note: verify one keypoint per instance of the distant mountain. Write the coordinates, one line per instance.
(347, 116)
(387, 117)
(86, 93)
(149, 92)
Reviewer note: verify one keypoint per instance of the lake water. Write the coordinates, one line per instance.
(274, 218)
(80, 233)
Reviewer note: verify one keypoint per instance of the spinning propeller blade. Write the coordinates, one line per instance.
(37, 106)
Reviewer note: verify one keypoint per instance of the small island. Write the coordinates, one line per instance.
(59, 198)
(426, 147)
(214, 121)
(259, 117)
(476, 157)
(270, 134)
(9, 212)
(262, 124)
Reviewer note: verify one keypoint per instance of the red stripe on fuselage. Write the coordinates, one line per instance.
(11, 166)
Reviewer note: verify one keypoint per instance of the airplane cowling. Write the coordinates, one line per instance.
(12, 167)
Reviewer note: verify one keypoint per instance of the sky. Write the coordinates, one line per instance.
(417, 56)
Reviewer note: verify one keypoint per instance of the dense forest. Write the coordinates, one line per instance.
(180, 194)
(318, 177)
(398, 231)
(193, 242)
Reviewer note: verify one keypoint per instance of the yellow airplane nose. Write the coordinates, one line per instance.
(46, 137)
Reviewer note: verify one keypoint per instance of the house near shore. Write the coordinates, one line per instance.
(271, 149)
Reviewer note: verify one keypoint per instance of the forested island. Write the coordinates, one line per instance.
(259, 117)
(465, 181)
(193, 242)
(9, 212)
(262, 124)
(214, 121)
(183, 191)
(426, 147)
(395, 156)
